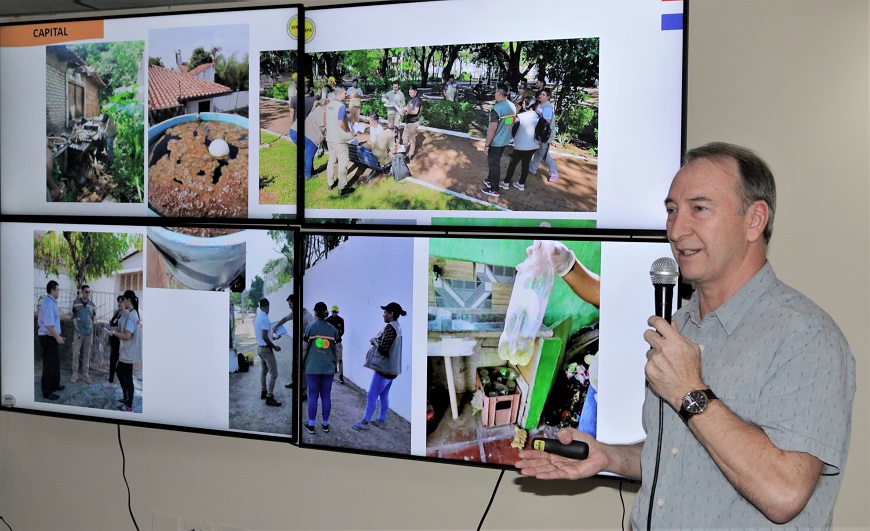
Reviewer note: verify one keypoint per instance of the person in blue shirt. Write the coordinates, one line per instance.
(49, 339)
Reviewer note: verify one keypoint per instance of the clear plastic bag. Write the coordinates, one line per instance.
(529, 298)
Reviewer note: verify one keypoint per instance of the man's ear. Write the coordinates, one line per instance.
(760, 214)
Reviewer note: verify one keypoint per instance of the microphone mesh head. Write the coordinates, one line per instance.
(664, 271)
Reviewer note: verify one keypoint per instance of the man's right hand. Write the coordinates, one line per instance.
(276, 348)
(543, 465)
(59, 340)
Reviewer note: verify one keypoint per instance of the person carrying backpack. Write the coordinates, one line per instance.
(525, 144)
(545, 110)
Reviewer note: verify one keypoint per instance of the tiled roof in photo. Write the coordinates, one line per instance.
(168, 88)
(200, 68)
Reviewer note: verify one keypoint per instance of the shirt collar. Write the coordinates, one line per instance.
(732, 311)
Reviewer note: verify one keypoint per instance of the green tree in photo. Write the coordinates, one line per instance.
(277, 63)
(117, 63)
(281, 268)
(199, 56)
(362, 63)
(256, 291)
(86, 256)
(231, 72)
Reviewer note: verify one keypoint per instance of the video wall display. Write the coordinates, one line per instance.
(163, 116)
(492, 110)
(500, 341)
(165, 178)
(153, 325)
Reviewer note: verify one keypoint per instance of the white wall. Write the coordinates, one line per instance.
(787, 77)
(230, 102)
(360, 276)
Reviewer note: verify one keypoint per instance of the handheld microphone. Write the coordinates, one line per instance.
(572, 450)
(664, 274)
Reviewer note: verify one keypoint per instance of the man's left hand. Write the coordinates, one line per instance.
(673, 365)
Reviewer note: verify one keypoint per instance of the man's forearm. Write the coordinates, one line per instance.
(624, 459)
(52, 331)
(779, 483)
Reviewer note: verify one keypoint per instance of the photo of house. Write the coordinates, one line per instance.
(94, 122)
(198, 110)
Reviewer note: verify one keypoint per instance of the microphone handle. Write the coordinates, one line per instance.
(572, 450)
(664, 300)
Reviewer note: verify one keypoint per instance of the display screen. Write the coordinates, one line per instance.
(612, 73)
(181, 115)
(501, 341)
(151, 197)
(191, 358)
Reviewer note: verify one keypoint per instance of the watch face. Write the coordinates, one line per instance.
(695, 402)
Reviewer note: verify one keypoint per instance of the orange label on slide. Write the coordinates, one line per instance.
(50, 33)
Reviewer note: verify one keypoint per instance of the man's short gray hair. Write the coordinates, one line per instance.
(756, 179)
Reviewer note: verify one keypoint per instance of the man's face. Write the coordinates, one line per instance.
(340, 95)
(54, 292)
(395, 87)
(498, 95)
(86, 294)
(412, 92)
(539, 84)
(708, 234)
(388, 316)
(265, 309)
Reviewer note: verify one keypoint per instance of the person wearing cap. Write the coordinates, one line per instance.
(338, 134)
(394, 100)
(385, 359)
(412, 122)
(319, 361)
(354, 101)
(338, 322)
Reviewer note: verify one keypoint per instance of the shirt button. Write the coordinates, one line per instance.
(661, 502)
(675, 450)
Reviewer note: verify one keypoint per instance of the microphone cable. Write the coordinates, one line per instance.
(124, 475)
(494, 490)
(652, 492)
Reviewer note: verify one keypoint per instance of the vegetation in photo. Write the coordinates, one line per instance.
(384, 194)
(569, 66)
(277, 170)
(277, 151)
(95, 122)
(83, 256)
(443, 109)
(229, 70)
